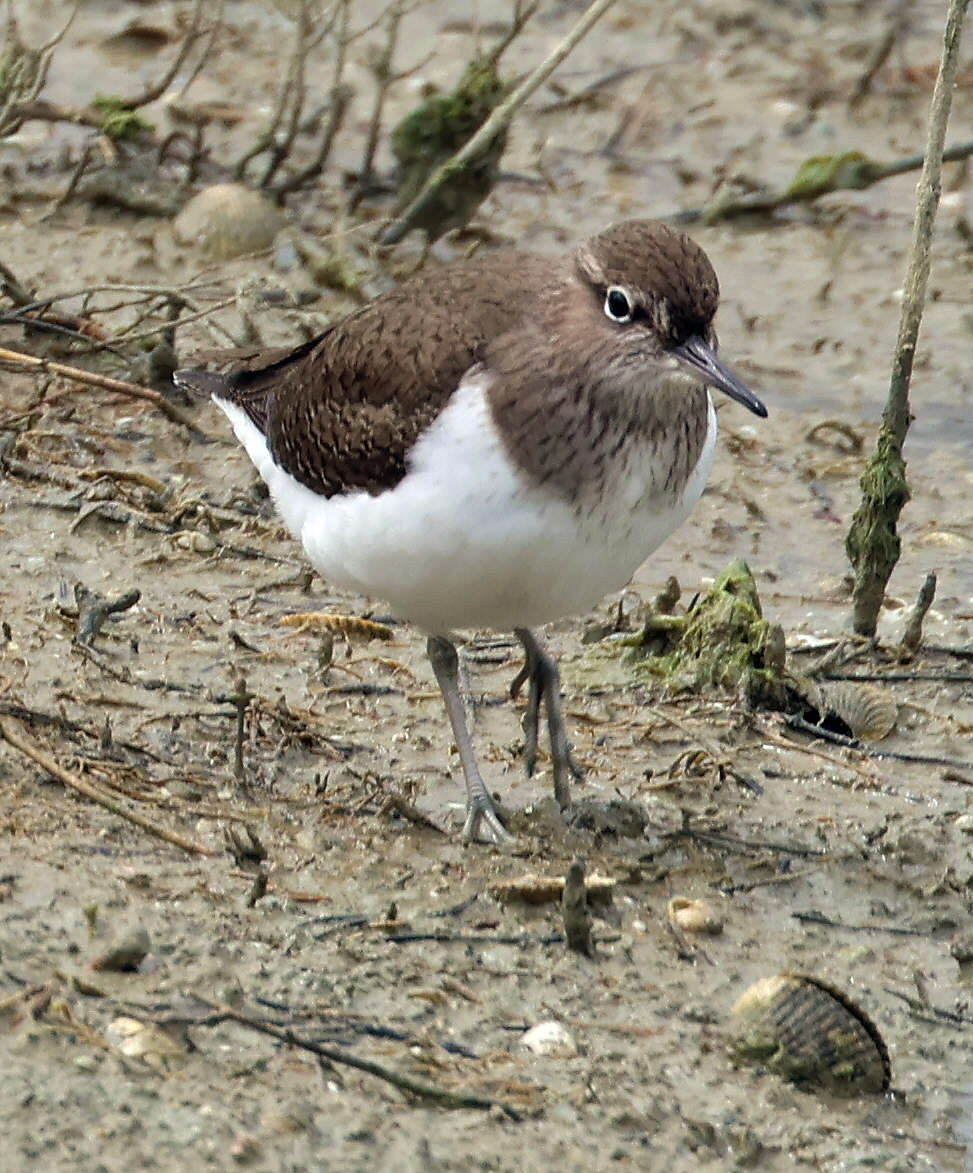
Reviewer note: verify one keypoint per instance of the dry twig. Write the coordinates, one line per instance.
(849, 172)
(25, 72)
(48, 763)
(405, 1083)
(92, 379)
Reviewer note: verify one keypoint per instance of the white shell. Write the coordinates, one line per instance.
(550, 1038)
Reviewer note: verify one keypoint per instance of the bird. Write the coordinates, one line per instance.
(496, 443)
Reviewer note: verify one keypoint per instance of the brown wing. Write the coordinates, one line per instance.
(342, 411)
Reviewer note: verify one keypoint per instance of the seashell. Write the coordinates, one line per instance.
(694, 916)
(140, 1040)
(550, 1038)
(870, 712)
(808, 1032)
(228, 220)
(193, 541)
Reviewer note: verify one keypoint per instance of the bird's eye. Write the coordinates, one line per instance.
(619, 304)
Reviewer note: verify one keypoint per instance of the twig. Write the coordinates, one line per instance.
(293, 93)
(850, 172)
(385, 78)
(818, 918)
(912, 636)
(407, 810)
(880, 55)
(718, 759)
(26, 72)
(91, 379)
(73, 728)
(405, 1083)
(341, 96)
(193, 33)
(802, 726)
(215, 27)
(476, 938)
(719, 839)
(150, 684)
(240, 699)
(893, 677)
(116, 808)
(926, 1012)
(498, 121)
(872, 543)
(868, 776)
(115, 513)
(768, 881)
(291, 97)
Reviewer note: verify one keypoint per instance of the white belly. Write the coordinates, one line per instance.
(463, 540)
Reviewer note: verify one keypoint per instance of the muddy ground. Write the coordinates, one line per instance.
(378, 936)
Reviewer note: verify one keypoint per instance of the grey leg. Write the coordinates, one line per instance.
(479, 804)
(540, 671)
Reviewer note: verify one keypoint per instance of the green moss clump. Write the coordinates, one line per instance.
(727, 643)
(118, 121)
(434, 131)
(873, 544)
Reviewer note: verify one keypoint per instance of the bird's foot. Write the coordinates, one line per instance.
(481, 813)
(544, 684)
(479, 805)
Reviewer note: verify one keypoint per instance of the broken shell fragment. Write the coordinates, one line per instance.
(694, 916)
(550, 1038)
(870, 712)
(193, 541)
(808, 1032)
(140, 1040)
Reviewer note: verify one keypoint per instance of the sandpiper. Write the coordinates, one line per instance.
(496, 443)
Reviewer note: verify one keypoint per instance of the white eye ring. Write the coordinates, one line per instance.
(619, 304)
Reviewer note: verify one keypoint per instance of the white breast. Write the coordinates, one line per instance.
(464, 540)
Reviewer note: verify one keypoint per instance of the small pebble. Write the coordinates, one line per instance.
(228, 220)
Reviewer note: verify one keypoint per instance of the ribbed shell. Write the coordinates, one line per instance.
(808, 1032)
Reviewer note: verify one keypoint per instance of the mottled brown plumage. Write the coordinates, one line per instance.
(496, 443)
(342, 411)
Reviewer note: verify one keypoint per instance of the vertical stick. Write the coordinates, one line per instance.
(872, 544)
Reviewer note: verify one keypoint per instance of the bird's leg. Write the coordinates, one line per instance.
(479, 804)
(540, 671)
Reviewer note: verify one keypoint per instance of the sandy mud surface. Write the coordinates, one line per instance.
(378, 938)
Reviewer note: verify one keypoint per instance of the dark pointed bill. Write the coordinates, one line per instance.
(701, 360)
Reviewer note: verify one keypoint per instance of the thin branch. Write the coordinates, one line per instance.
(849, 172)
(498, 121)
(49, 764)
(215, 27)
(869, 751)
(382, 69)
(27, 76)
(293, 93)
(405, 1083)
(91, 379)
(157, 88)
